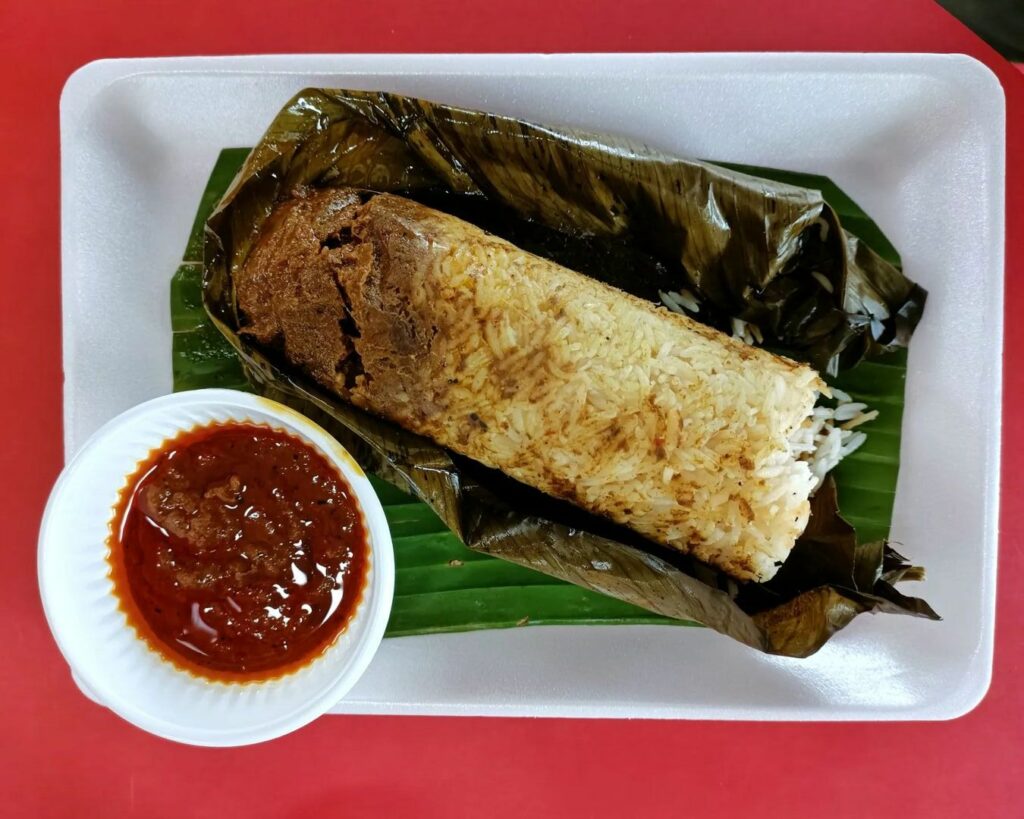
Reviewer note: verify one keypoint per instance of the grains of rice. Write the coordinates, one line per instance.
(861, 418)
(828, 435)
(845, 412)
(680, 301)
(823, 227)
(747, 332)
(823, 281)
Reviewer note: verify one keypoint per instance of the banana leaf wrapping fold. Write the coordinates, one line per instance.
(765, 252)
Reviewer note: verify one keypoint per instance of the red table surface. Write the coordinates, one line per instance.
(62, 755)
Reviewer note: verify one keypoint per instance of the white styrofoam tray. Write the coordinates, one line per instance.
(917, 140)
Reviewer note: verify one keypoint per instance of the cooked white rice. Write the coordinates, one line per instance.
(828, 436)
(680, 301)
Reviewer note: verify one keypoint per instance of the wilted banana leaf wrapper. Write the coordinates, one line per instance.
(749, 248)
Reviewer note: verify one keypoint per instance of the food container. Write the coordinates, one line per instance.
(918, 140)
(118, 669)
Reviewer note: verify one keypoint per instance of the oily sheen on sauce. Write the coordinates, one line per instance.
(238, 552)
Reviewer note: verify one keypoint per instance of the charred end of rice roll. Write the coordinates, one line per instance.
(655, 421)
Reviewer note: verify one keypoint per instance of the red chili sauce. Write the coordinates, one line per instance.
(238, 552)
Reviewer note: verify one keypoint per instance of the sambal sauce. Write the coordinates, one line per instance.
(238, 552)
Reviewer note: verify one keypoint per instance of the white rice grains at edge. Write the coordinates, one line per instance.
(828, 436)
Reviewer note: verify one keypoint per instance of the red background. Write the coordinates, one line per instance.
(61, 755)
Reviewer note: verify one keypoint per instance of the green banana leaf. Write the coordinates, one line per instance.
(771, 253)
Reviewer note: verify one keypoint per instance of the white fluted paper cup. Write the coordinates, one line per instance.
(106, 655)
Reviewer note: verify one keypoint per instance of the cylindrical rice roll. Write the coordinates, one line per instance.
(573, 387)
